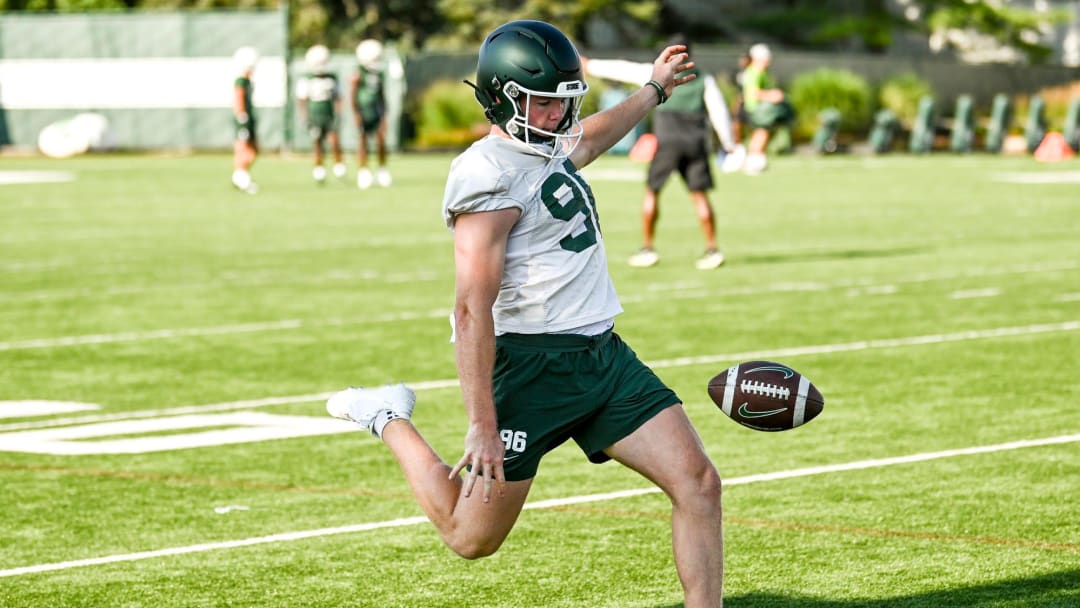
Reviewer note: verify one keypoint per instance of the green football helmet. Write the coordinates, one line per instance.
(524, 58)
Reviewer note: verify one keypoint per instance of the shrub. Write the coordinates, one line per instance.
(901, 94)
(825, 88)
(1056, 100)
(446, 115)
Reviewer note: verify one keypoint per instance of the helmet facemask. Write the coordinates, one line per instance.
(519, 61)
(566, 136)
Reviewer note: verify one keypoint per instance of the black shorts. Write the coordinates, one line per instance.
(683, 146)
(553, 387)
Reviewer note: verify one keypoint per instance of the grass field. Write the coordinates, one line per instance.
(935, 301)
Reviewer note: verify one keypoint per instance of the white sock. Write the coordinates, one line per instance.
(380, 421)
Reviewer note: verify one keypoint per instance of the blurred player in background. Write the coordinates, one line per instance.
(683, 127)
(766, 107)
(369, 108)
(733, 161)
(245, 141)
(538, 360)
(319, 96)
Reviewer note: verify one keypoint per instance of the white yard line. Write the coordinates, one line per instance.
(683, 291)
(694, 288)
(967, 294)
(724, 358)
(239, 328)
(541, 504)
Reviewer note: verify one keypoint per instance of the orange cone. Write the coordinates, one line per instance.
(1053, 148)
(645, 148)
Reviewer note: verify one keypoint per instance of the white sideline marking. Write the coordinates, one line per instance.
(725, 358)
(1056, 177)
(150, 335)
(821, 349)
(25, 409)
(206, 430)
(967, 294)
(165, 334)
(1068, 297)
(541, 504)
(35, 177)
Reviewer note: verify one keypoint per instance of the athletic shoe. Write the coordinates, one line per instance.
(382, 177)
(364, 179)
(340, 171)
(644, 258)
(733, 161)
(712, 259)
(319, 174)
(365, 405)
(755, 164)
(241, 180)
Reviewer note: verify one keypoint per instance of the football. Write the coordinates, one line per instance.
(766, 396)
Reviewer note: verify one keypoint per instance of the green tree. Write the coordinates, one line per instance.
(873, 24)
(469, 20)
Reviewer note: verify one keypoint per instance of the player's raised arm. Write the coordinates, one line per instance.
(605, 128)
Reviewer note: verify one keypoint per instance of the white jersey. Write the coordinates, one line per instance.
(555, 277)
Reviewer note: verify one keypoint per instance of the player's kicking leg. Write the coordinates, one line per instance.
(471, 527)
(668, 452)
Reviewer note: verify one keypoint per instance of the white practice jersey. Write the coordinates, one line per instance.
(556, 276)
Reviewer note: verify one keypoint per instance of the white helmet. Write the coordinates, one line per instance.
(369, 53)
(244, 59)
(317, 57)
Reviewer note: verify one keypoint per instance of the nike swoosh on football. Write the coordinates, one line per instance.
(746, 412)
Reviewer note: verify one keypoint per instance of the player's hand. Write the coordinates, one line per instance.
(484, 454)
(667, 68)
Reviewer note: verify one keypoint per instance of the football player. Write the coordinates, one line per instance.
(683, 129)
(537, 357)
(319, 97)
(766, 107)
(245, 140)
(369, 108)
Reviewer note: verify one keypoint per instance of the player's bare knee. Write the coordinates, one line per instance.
(473, 548)
(701, 491)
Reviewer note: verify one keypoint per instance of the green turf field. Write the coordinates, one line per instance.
(935, 301)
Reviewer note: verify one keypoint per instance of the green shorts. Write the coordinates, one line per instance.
(553, 387)
(768, 115)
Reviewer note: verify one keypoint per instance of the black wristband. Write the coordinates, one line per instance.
(659, 91)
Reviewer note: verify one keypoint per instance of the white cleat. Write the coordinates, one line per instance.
(364, 179)
(733, 161)
(364, 405)
(712, 259)
(755, 164)
(318, 174)
(242, 181)
(644, 258)
(340, 170)
(382, 177)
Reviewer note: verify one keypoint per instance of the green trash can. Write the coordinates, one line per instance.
(884, 131)
(1072, 125)
(922, 132)
(1000, 120)
(824, 141)
(1035, 127)
(963, 130)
